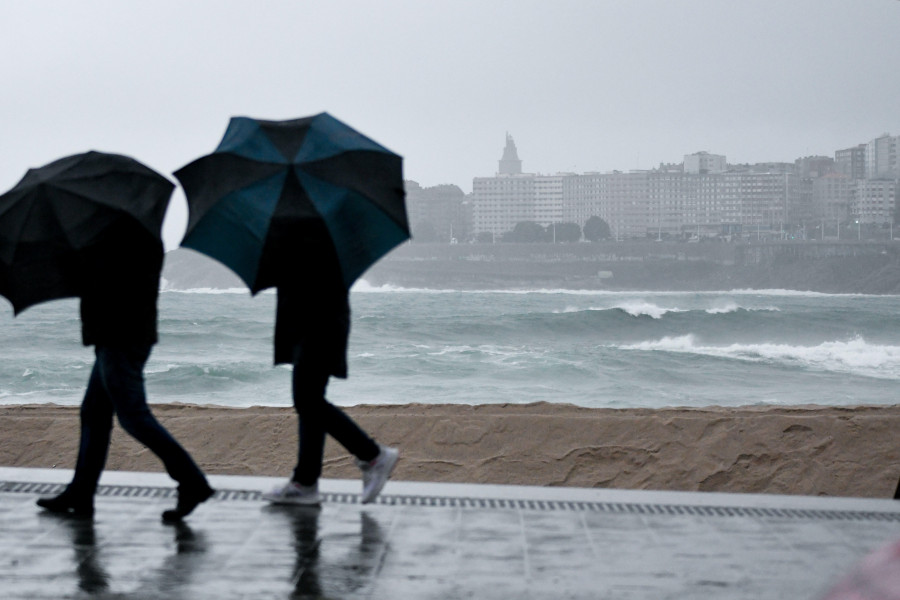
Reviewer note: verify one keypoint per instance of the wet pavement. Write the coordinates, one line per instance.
(430, 541)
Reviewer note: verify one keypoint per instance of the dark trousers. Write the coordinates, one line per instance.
(318, 417)
(116, 386)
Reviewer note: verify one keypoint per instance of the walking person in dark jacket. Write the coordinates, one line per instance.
(312, 325)
(120, 277)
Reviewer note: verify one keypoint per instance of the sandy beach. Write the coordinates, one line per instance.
(809, 450)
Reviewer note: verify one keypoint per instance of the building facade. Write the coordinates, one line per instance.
(851, 162)
(832, 195)
(499, 202)
(882, 160)
(702, 163)
(874, 201)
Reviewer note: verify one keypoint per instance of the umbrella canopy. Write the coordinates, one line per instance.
(257, 200)
(62, 208)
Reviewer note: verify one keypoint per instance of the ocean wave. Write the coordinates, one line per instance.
(60, 396)
(642, 308)
(798, 293)
(362, 285)
(209, 290)
(637, 308)
(484, 349)
(198, 374)
(855, 356)
(732, 307)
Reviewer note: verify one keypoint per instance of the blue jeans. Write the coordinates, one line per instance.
(317, 417)
(116, 386)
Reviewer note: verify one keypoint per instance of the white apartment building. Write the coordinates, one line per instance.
(498, 203)
(645, 203)
(882, 160)
(548, 199)
(874, 201)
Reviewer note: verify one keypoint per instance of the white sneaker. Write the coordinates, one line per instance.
(294, 493)
(376, 472)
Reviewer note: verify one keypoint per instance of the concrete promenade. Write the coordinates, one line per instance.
(431, 541)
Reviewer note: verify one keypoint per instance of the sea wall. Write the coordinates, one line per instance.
(832, 267)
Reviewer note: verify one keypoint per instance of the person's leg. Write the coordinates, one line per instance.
(308, 393)
(96, 424)
(122, 374)
(96, 427)
(317, 417)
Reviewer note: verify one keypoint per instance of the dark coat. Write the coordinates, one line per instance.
(313, 325)
(312, 319)
(120, 286)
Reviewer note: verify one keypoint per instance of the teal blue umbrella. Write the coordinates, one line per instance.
(276, 194)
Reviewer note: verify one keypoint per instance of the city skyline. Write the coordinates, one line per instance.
(502, 154)
(703, 196)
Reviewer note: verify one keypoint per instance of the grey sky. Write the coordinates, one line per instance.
(584, 85)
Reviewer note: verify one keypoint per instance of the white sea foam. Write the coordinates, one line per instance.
(733, 307)
(362, 285)
(794, 293)
(724, 309)
(153, 369)
(208, 290)
(855, 356)
(641, 308)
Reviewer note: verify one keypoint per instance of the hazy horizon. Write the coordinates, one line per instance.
(581, 86)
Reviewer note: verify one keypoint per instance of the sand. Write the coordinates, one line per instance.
(809, 450)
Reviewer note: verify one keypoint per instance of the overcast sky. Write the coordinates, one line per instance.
(581, 85)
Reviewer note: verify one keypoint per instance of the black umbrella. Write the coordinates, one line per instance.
(275, 195)
(60, 209)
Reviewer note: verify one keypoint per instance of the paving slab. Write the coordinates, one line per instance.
(424, 540)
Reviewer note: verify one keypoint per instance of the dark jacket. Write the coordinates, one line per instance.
(313, 325)
(312, 319)
(120, 286)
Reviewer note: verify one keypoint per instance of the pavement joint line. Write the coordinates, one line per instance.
(648, 509)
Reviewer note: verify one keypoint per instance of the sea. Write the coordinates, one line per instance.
(582, 347)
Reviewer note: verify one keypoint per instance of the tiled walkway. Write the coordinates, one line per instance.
(431, 541)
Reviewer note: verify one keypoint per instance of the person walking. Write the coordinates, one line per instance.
(119, 280)
(312, 326)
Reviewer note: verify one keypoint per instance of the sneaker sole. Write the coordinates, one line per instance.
(374, 493)
(291, 501)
